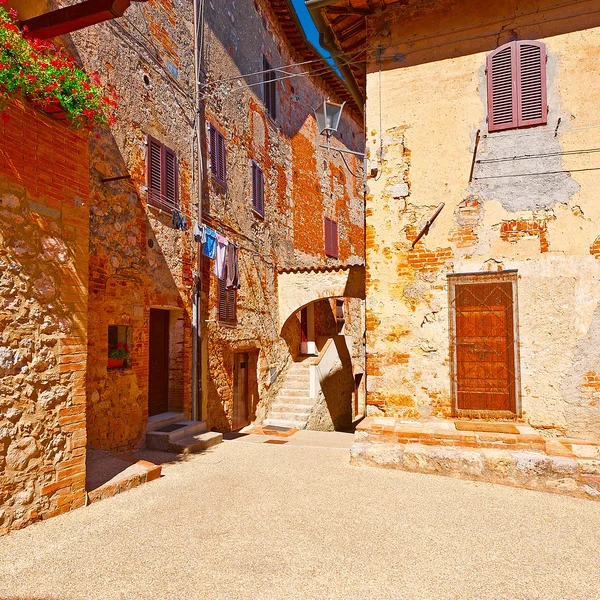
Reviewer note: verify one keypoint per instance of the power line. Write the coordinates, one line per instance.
(564, 171)
(543, 155)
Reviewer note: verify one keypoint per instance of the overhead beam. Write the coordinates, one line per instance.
(78, 16)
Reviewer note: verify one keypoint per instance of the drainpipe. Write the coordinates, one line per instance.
(197, 395)
(326, 39)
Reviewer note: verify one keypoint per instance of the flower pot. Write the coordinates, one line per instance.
(115, 363)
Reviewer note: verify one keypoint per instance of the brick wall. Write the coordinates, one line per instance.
(44, 230)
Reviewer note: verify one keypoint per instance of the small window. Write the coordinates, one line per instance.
(227, 301)
(516, 85)
(162, 175)
(269, 89)
(331, 238)
(258, 190)
(119, 344)
(218, 165)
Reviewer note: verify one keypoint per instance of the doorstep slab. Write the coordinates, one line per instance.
(524, 460)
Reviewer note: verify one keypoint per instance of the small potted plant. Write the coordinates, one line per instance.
(117, 355)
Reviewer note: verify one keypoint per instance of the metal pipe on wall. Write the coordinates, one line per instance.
(197, 395)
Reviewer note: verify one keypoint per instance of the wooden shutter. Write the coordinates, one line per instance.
(154, 170)
(334, 239)
(269, 89)
(214, 169)
(258, 190)
(331, 238)
(227, 303)
(502, 88)
(516, 75)
(531, 83)
(217, 155)
(170, 179)
(222, 163)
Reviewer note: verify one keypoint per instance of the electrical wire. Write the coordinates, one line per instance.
(544, 155)
(564, 171)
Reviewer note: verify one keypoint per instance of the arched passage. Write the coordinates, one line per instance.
(299, 287)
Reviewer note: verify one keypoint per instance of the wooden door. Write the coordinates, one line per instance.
(240, 390)
(304, 331)
(158, 376)
(483, 346)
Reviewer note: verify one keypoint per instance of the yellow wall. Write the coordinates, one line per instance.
(431, 102)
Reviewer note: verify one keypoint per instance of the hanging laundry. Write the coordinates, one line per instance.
(178, 220)
(199, 234)
(210, 243)
(220, 257)
(233, 275)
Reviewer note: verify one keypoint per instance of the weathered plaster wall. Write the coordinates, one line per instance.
(44, 225)
(138, 260)
(302, 185)
(433, 101)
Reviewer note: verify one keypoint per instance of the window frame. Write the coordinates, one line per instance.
(218, 155)
(518, 121)
(269, 89)
(157, 196)
(258, 189)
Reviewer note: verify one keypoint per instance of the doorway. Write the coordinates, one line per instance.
(307, 330)
(240, 390)
(158, 374)
(484, 343)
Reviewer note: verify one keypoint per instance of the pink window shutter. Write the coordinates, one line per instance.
(532, 108)
(502, 88)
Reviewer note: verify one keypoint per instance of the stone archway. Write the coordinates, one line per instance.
(299, 287)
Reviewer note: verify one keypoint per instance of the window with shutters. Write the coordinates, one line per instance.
(516, 82)
(331, 238)
(258, 190)
(227, 308)
(269, 89)
(162, 175)
(218, 165)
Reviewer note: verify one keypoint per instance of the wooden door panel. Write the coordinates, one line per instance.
(158, 374)
(483, 347)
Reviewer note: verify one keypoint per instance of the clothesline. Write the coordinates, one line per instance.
(223, 251)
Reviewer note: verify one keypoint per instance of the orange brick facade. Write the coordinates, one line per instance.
(44, 238)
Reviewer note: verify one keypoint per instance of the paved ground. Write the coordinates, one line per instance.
(261, 521)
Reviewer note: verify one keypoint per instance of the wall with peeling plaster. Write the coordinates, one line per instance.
(433, 102)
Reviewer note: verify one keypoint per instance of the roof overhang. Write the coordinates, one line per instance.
(342, 26)
(71, 18)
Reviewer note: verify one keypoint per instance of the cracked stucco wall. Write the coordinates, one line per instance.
(433, 101)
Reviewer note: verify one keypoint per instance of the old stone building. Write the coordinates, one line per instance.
(269, 128)
(105, 290)
(486, 113)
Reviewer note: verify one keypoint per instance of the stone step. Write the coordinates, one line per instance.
(298, 376)
(291, 408)
(159, 421)
(291, 393)
(283, 399)
(290, 416)
(162, 440)
(196, 443)
(294, 384)
(284, 423)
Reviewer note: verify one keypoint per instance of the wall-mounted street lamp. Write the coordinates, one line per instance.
(328, 117)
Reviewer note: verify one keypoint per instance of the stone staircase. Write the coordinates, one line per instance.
(171, 432)
(293, 403)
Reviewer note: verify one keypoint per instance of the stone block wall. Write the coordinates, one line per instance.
(44, 238)
(138, 259)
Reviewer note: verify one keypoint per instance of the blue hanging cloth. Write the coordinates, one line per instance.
(210, 244)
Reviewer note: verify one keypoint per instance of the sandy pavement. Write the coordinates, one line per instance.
(290, 521)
